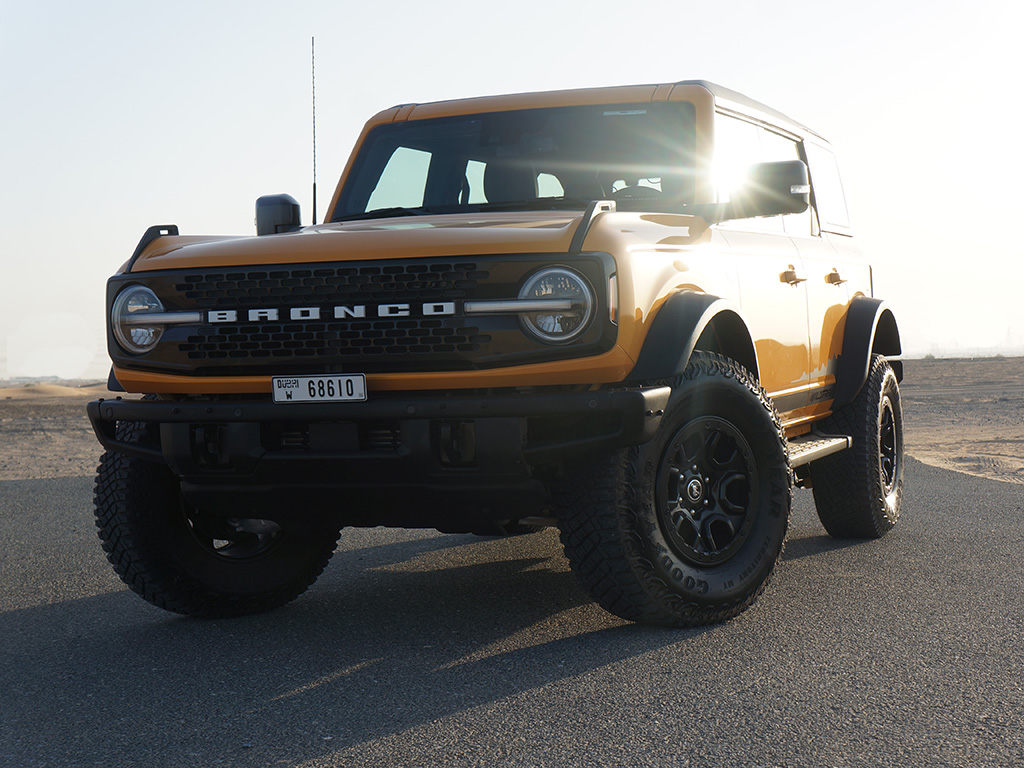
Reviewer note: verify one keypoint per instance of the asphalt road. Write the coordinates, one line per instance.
(420, 649)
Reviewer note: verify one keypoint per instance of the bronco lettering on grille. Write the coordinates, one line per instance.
(340, 312)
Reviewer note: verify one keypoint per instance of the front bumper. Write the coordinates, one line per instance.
(404, 461)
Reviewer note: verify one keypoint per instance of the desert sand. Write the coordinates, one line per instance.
(964, 415)
(44, 431)
(967, 415)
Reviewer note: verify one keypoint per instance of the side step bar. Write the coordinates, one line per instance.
(808, 448)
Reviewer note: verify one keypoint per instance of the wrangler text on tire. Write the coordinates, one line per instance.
(685, 529)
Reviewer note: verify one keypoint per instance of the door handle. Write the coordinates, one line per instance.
(834, 278)
(790, 276)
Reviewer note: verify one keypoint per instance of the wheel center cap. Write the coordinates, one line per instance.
(695, 490)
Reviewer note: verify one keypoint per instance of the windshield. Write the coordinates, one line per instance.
(533, 159)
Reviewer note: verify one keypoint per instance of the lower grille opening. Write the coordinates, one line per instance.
(332, 437)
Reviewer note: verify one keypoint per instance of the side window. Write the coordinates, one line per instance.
(776, 147)
(649, 183)
(475, 179)
(829, 197)
(739, 145)
(548, 185)
(403, 181)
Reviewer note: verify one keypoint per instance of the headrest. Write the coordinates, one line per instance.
(506, 182)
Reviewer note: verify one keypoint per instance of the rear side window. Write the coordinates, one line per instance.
(829, 198)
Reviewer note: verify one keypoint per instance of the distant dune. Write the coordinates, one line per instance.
(48, 391)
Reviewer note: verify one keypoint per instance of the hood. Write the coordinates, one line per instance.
(421, 236)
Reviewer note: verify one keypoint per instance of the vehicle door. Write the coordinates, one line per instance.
(772, 275)
(836, 271)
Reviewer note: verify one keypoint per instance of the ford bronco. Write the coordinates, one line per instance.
(634, 313)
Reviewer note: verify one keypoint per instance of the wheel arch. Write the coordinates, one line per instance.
(688, 321)
(870, 329)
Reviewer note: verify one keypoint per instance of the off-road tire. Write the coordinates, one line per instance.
(858, 492)
(164, 550)
(638, 552)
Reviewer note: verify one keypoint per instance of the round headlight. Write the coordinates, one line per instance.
(572, 305)
(128, 319)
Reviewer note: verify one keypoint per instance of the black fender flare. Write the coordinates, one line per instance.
(113, 385)
(678, 326)
(870, 328)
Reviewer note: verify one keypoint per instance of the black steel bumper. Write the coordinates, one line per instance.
(444, 455)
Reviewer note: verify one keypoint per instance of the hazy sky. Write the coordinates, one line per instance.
(119, 115)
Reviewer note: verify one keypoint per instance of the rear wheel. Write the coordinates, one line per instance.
(685, 529)
(858, 492)
(185, 560)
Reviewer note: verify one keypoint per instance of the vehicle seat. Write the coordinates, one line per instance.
(506, 182)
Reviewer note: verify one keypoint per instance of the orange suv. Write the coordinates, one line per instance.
(634, 313)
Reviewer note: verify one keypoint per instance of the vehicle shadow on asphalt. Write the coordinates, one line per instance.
(809, 546)
(414, 642)
(404, 628)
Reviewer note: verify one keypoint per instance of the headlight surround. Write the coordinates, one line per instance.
(558, 326)
(128, 321)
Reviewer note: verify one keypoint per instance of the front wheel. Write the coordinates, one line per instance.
(858, 492)
(188, 561)
(687, 528)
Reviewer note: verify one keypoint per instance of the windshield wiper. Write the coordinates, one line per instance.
(384, 213)
(536, 204)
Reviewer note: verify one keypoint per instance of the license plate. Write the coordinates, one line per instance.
(319, 389)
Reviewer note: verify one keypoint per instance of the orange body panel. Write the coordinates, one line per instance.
(620, 311)
(656, 256)
(607, 368)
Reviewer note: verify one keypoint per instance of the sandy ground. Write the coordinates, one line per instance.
(965, 415)
(44, 431)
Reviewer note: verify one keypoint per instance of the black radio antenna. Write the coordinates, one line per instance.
(312, 60)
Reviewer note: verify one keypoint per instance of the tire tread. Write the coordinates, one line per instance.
(125, 488)
(847, 490)
(600, 526)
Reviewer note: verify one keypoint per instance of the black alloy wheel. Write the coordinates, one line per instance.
(889, 441)
(685, 529)
(233, 538)
(706, 490)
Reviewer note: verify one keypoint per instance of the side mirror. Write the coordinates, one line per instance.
(771, 189)
(276, 214)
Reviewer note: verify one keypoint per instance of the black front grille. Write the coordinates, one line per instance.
(376, 283)
(339, 340)
(319, 330)
(291, 341)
